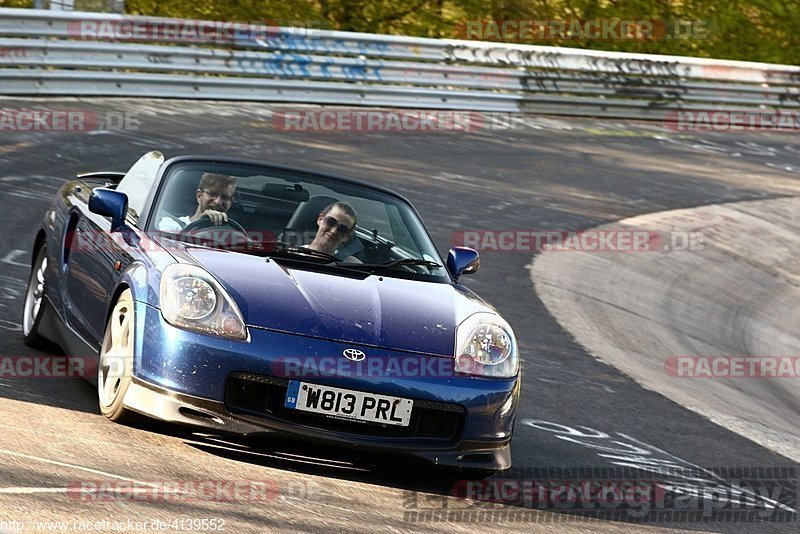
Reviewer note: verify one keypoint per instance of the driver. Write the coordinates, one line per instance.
(214, 198)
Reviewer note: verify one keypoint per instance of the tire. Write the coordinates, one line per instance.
(33, 309)
(115, 368)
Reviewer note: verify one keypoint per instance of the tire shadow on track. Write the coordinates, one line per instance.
(72, 393)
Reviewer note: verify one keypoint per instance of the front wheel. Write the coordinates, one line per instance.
(115, 369)
(33, 309)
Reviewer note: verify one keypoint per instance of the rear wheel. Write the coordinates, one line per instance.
(33, 309)
(115, 369)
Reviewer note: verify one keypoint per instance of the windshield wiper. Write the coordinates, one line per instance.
(375, 267)
(285, 250)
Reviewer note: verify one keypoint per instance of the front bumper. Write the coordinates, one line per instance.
(189, 378)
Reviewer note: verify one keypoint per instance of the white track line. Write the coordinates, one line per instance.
(72, 466)
(9, 258)
(28, 491)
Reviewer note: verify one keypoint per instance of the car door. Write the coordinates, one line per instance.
(96, 256)
(88, 273)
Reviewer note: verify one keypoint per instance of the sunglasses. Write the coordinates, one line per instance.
(222, 196)
(341, 228)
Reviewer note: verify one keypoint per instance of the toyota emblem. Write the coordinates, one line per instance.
(354, 355)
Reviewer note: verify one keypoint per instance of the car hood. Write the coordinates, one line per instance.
(384, 312)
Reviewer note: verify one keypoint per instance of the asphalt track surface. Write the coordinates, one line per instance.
(735, 293)
(576, 412)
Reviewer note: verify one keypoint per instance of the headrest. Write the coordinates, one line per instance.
(305, 216)
(179, 197)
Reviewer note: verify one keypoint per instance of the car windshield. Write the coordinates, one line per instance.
(281, 208)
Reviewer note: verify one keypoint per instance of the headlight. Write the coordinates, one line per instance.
(485, 346)
(191, 298)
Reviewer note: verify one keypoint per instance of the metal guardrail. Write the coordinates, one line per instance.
(71, 53)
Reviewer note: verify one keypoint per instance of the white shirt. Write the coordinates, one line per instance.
(170, 224)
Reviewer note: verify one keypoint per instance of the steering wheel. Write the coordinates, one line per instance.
(206, 222)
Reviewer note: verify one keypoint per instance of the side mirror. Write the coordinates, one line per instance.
(109, 203)
(462, 260)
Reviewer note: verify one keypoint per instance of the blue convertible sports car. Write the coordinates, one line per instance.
(252, 299)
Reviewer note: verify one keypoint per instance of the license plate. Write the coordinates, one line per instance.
(349, 404)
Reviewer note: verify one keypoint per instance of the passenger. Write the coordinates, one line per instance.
(214, 198)
(335, 226)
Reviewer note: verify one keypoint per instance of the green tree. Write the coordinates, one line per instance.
(753, 30)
